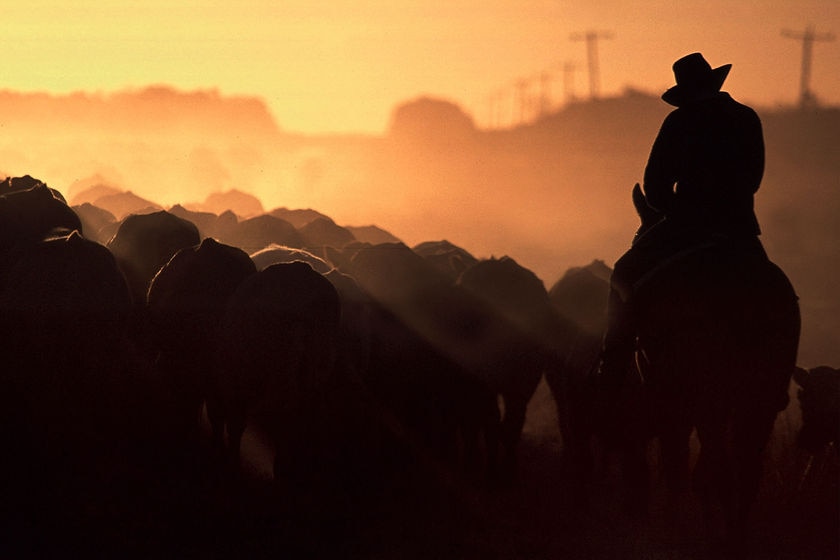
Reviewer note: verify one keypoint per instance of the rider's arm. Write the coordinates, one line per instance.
(661, 170)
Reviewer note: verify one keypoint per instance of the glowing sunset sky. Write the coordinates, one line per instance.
(342, 65)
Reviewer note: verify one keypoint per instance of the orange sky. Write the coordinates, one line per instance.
(342, 65)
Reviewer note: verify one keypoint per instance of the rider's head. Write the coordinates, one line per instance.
(696, 79)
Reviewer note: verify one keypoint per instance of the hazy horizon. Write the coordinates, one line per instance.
(342, 67)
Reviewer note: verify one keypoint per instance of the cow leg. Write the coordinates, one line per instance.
(510, 433)
(235, 429)
(487, 424)
(574, 420)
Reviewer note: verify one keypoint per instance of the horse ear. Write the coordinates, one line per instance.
(640, 202)
(638, 197)
(801, 376)
(648, 215)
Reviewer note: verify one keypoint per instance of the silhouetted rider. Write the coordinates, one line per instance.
(704, 168)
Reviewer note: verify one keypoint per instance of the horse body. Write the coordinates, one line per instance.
(718, 333)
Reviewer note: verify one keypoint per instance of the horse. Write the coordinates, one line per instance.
(718, 331)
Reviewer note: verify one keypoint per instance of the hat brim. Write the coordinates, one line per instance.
(680, 94)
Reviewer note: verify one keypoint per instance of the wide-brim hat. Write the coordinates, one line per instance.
(695, 78)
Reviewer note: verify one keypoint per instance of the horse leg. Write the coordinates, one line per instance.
(674, 439)
(751, 432)
(713, 479)
(675, 453)
(635, 474)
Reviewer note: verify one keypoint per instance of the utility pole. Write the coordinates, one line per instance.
(545, 103)
(522, 95)
(569, 80)
(591, 38)
(806, 96)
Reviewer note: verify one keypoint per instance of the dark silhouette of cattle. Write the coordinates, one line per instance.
(123, 204)
(276, 368)
(186, 301)
(580, 298)
(67, 396)
(65, 305)
(530, 344)
(28, 215)
(241, 203)
(17, 184)
(373, 235)
(342, 258)
(145, 242)
(354, 340)
(206, 222)
(482, 352)
(426, 400)
(819, 400)
(218, 226)
(91, 193)
(298, 217)
(446, 257)
(323, 232)
(259, 232)
(14, 184)
(275, 253)
(97, 223)
(411, 375)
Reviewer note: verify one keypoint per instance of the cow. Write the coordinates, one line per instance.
(206, 222)
(529, 345)
(98, 224)
(69, 400)
(354, 344)
(446, 257)
(580, 298)
(324, 232)
(276, 253)
(64, 305)
(28, 215)
(819, 400)
(186, 301)
(276, 367)
(259, 232)
(145, 242)
(469, 342)
(17, 184)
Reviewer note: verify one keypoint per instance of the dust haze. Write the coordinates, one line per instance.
(552, 194)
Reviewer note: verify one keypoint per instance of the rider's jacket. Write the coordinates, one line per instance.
(706, 164)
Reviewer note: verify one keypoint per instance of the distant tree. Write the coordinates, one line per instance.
(430, 120)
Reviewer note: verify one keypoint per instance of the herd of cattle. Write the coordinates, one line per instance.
(120, 334)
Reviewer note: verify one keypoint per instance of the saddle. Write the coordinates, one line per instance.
(749, 247)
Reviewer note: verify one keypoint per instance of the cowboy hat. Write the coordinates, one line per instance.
(695, 79)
